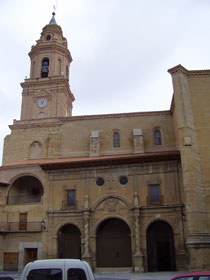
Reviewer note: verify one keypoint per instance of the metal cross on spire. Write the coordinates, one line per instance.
(53, 21)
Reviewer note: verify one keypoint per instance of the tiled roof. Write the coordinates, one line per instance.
(3, 183)
(73, 162)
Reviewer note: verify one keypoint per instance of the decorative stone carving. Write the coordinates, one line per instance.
(110, 181)
(187, 141)
(86, 203)
(138, 143)
(135, 200)
(35, 150)
(111, 204)
(94, 144)
(86, 232)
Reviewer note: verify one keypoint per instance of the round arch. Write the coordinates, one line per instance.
(96, 226)
(69, 242)
(160, 247)
(162, 219)
(113, 243)
(25, 189)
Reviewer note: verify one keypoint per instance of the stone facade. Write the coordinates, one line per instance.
(122, 191)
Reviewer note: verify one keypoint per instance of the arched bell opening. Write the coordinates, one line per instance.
(45, 67)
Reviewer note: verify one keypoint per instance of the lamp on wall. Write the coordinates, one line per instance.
(43, 225)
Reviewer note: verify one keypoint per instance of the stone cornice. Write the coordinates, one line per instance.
(180, 69)
(32, 83)
(114, 116)
(44, 81)
(60, 120)
(50, 47)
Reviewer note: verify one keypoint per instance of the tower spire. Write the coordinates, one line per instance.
(53, 21)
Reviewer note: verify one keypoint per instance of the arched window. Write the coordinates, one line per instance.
(67, 72)
(157, 137)
(48, 38)
(59, 66)
(45, 68)
(116, 140)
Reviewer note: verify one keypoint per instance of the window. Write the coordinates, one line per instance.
(67, 72)
(157, 137)
(100, 181)
(70, 199)
(76, 274)
(48, 38)
(154, 194)
(123, 180)
(45, 274)
(116, 140)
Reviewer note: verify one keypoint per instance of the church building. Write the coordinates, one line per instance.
(125, 192)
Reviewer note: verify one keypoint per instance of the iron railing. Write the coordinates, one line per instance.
(19, 227)
(23, 199)
(66, 206)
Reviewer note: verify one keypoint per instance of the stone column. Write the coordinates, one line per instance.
(138, 257)
(86, 215)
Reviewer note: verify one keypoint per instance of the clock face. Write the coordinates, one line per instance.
(42, 102)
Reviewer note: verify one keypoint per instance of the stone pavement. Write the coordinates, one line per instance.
(118, 275)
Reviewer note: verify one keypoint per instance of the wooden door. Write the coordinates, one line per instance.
(10, 261)
(23, 221)
(30, 255)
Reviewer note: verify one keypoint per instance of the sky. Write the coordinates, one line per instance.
(121, 51)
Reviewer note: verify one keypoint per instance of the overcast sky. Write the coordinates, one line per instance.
(121, 50)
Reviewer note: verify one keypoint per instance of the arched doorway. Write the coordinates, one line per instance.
(160, 247)
(113, 244)
(69, 243)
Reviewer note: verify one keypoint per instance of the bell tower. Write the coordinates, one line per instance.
(47, 94)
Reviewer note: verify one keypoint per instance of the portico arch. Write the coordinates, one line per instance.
(113, 244)
(160, 247)
(69, 242)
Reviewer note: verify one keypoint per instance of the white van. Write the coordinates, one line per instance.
(57, 269)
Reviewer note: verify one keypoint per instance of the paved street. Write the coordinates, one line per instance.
(118, 276)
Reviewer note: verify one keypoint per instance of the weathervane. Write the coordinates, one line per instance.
(55, 7)
(53, 21)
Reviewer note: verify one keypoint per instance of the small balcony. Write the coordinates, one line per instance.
(68, 206)
(150, 203)
(21, 227)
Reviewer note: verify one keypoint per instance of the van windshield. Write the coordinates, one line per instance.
(45, 274)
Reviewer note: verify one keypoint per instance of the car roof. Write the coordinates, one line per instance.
(58, 262)
(202, 273)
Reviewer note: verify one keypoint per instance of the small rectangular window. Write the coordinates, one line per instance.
(154, 194)
(70, 199)
(76, 274)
